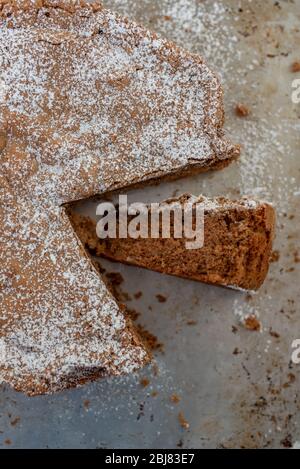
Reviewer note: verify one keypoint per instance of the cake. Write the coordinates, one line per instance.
(89, 103)
(238, 238)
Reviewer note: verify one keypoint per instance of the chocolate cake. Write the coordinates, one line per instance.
(89, 102)
(238, 237)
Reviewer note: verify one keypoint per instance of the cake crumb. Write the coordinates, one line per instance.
(295, 67)
(183, 422)
(138, 295)
(115, 278)
(175, 399)
(161, 298)
(150, 339)
(145, 382)
(290, 270)
(274, 334)
(241, 110)
(7, 441)
(113, 282)
(154, 394)
(296, 257)
(192, 323)
(287, 442)
(15, 421)
(99, 267)
(252, 324)
(291, 380)
(133, 314)
(275, 256)
(86, 404)
(125, 296)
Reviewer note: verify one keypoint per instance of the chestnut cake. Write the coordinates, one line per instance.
(238, 238)
(89, 103)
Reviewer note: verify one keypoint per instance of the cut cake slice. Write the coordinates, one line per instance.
(238, 238)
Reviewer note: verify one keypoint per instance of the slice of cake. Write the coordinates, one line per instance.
(238, 238)
(89, 102)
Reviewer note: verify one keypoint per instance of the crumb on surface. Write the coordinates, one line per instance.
(99, 267)
(138, 295)
(192, 323)
(183, 422)
(287, 442)
(133, 314)
(252, 323)
(145, 382)
(274, 334)
(241, 110)
(275, 256)
(296, 257)
(161, 298)
(115, 277)
(150, 339)
(15, 421)
(175, 399)
(113, 282)
(295, 67)
(291, 380)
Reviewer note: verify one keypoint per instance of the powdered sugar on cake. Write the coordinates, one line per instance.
(103, 100)
(91, 102)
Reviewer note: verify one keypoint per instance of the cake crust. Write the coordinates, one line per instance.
(89, 102)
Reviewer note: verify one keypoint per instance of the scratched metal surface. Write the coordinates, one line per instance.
(249, 398)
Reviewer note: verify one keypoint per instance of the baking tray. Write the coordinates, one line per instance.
(237, 388)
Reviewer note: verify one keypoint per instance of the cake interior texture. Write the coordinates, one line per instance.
(238, 239)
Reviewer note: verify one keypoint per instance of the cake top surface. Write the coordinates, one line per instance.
(210, 204)
(89, 102)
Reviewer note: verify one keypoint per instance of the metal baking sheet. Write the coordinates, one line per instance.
(237, 388)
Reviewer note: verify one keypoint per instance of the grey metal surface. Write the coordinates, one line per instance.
(250, 398)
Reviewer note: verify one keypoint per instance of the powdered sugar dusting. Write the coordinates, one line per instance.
(160, 108)
(218, 30)
(91, 102)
